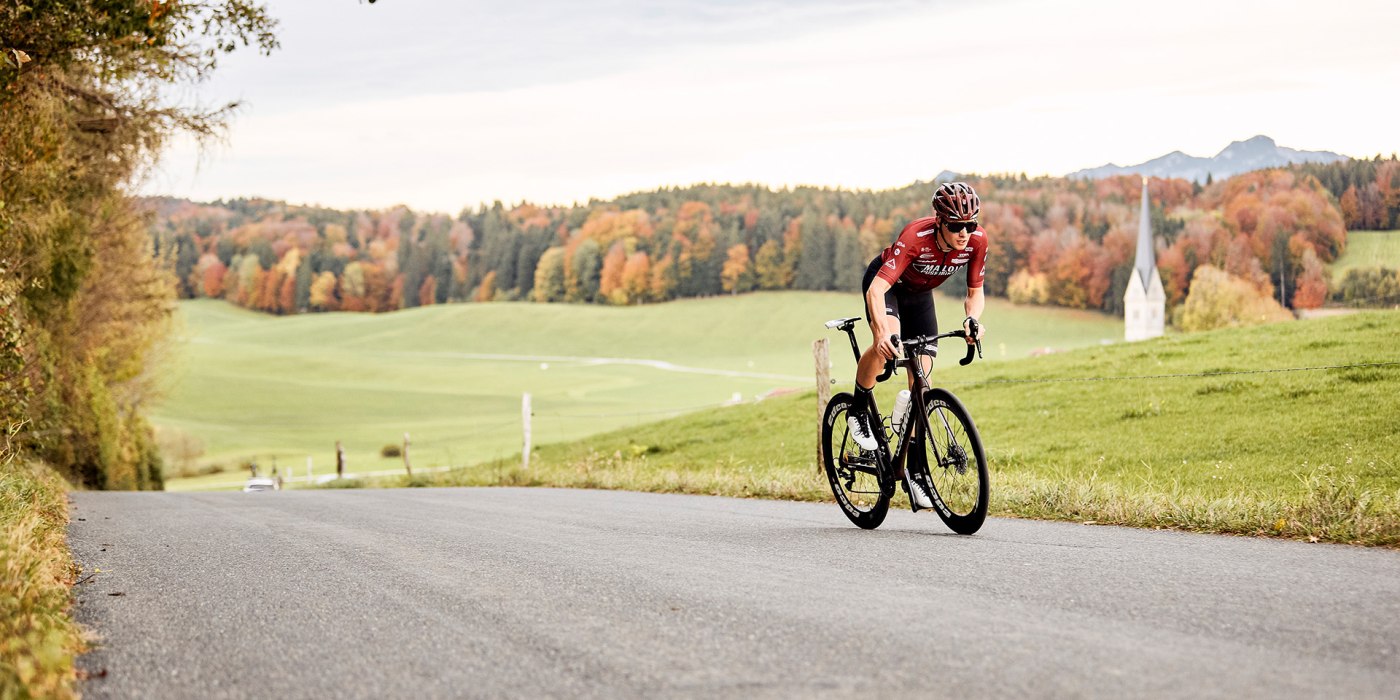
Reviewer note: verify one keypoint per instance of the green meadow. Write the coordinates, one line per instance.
(1368, 249)
(1094, 435)
(243, 386)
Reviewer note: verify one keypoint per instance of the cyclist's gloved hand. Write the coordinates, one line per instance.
(887, 347)
(968, 324)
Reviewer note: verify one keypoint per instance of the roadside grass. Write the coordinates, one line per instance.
(1368, 249)
(252, 386)
(38, 640)
(1301, 454)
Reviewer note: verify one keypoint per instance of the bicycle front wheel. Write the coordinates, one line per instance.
(854, 473)
(956, 466)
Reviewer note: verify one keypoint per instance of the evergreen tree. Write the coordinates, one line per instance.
(814, 266)
(584, 269)
(848, 261)
(301, 299)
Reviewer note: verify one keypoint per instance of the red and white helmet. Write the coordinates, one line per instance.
(956, 201)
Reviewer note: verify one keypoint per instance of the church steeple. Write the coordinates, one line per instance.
(1144, 301)
(1146, 260)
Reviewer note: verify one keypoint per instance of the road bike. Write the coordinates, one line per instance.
(936, 444)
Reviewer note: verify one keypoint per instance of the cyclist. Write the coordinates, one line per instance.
(898, 289)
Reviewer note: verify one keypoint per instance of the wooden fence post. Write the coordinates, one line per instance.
(339, 460)
(821, 357)
(525, 419)
(406, 465)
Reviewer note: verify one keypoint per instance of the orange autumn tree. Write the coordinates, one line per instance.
(610, 278)
(737, 274)
(636, 276)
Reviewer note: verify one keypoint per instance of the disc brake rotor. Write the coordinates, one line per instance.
(957, 459)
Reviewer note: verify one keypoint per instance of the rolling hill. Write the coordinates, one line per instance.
(247, 386)
(1225, 431)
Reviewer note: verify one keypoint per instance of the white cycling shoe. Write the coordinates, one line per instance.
(860, 431)
(917, 494)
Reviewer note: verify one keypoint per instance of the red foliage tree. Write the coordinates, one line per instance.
(610, 279)
(213, 278)
(427, 292)
(287, 295)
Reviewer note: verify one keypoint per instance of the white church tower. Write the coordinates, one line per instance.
(1144, 302)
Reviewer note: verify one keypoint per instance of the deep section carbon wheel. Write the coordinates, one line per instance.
(951, 450)
(853, 472)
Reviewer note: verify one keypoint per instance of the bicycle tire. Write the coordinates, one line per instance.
(960, 485)
(864, 507)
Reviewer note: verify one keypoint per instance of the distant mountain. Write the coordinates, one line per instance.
(1238, 157)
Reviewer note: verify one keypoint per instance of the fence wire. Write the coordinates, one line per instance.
(626, 414)
(1053, 380)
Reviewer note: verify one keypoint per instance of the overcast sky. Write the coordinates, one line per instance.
(444, 104)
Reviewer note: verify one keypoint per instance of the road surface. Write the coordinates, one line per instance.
(512, 592)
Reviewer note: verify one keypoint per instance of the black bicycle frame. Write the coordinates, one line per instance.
(888, 464)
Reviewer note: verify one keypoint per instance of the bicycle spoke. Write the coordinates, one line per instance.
(855, 472)
(949, 462)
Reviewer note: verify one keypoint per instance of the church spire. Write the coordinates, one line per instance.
(1144, 301)
(1146, 260)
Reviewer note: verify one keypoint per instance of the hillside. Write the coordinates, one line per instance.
(1369, 249)
(251, 386)
(1300, 453)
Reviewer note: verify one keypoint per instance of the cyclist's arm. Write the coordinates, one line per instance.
(879, 322)
(973, 305)
(976, 301)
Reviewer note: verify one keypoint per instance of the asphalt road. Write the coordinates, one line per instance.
(516, 592)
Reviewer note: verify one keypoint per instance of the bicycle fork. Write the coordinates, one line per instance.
(919, 430)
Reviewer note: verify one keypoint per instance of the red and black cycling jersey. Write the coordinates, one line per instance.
(915, 260)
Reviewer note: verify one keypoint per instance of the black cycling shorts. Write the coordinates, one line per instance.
(913, 309)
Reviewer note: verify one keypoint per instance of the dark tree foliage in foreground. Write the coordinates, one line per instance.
(83, 109)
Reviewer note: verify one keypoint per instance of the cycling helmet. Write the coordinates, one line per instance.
(956, 201)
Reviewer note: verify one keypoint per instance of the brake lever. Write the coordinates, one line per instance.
(972, 327)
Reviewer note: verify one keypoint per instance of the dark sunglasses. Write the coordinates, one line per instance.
(961, 226)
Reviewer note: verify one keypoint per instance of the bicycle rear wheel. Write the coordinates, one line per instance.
(853, 472)
(951, 455)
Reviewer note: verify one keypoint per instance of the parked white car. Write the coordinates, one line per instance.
(260, 483)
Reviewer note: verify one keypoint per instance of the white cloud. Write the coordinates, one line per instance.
(1003, 87)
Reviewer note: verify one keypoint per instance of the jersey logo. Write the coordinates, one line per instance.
(890, 264)
(938, 270)
(924, 234)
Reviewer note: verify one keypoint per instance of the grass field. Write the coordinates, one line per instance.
(1369, 249)
(251, 386)
(1307, 454)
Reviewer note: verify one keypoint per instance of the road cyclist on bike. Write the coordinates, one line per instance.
(898, 289)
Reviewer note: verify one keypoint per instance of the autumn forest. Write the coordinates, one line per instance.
(1052, 241)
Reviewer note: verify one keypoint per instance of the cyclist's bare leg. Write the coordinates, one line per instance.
(870, 361)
